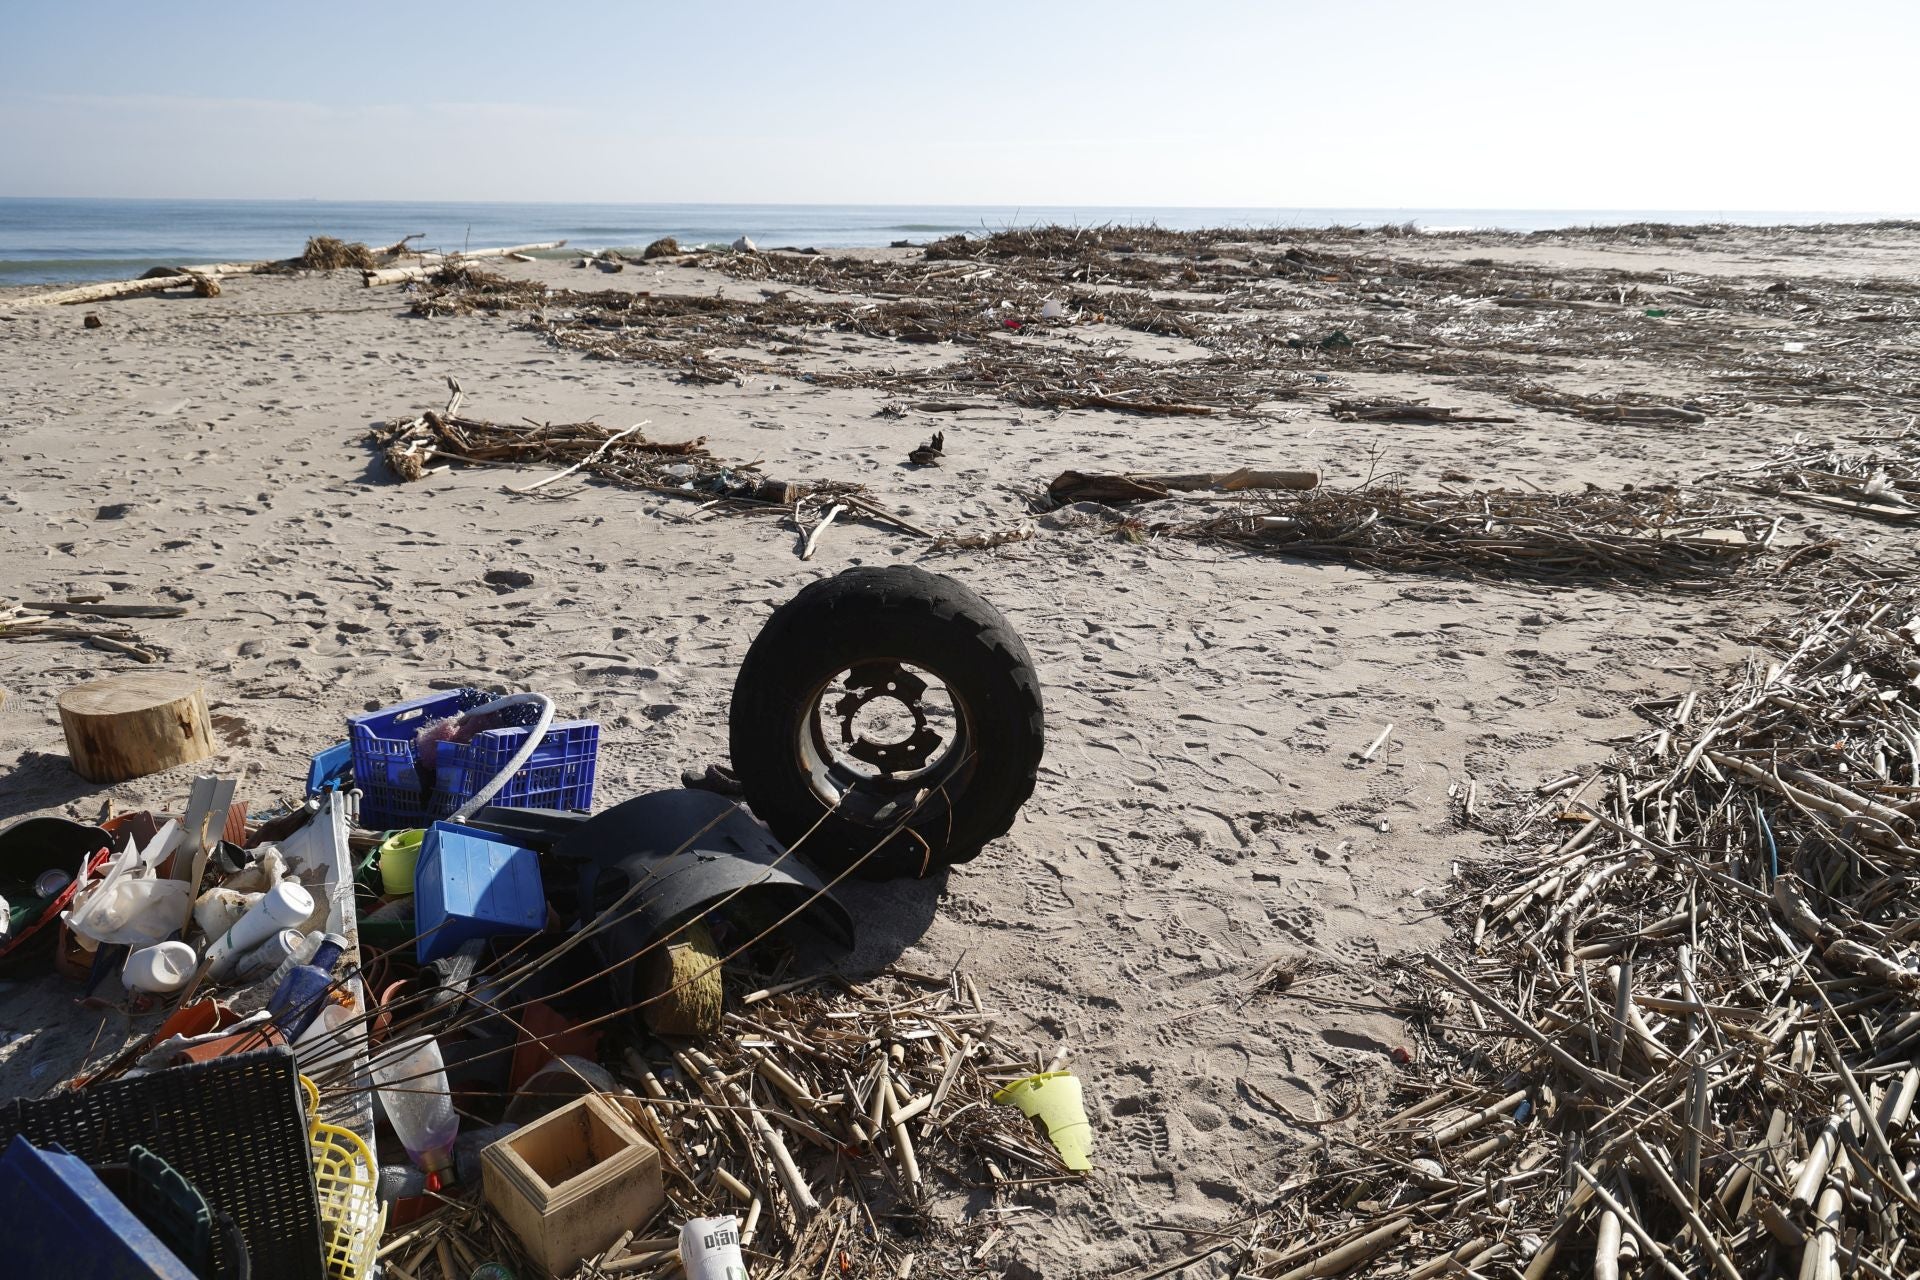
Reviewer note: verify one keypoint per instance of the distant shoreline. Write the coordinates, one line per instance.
(46, 241)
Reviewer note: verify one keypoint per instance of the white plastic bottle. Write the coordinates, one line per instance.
(710, 1249)
(412, 1079)
(269, 955)
(302, 954)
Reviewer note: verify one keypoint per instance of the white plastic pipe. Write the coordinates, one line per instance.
(284, 906)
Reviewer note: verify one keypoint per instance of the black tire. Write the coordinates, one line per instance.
(872, 620)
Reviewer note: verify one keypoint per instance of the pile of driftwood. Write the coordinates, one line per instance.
(1681, 541)
(414, 448)
(704, 338)
(91, 619)
(327, 253)
(1875, 475)
(1682, 1041)
(1263, 304)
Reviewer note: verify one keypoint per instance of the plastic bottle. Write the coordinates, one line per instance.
(269, 956)
(160, 968)
(302, 954)
(399, 1181)
(710, 1249)
(412, 1080)
(339, 1035)
(301, 995)
(285, 905)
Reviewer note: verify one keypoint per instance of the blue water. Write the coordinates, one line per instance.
(58, 240)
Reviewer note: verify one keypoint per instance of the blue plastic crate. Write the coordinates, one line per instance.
(473, 884)
(559, 776)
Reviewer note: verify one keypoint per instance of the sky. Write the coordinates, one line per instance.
(1473, 104)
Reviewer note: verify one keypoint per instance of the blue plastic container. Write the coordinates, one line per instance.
(393, 794)
(330, 770)
(61, 1220)
(473, 884)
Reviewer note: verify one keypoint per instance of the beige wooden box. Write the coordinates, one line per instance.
(572, 1181)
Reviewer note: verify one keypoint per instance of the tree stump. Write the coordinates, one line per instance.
(132, 725)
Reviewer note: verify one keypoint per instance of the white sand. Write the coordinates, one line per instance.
(1200, 810)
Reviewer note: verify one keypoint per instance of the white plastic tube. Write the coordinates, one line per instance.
(520, 757)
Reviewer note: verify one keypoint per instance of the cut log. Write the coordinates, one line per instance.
(1236, 481)
(132, 725)
(431, 263)
(399, 275)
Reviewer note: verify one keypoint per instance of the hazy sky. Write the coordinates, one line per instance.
(1684, 104)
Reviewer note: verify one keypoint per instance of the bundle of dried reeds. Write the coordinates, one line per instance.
(1645, 534)
(324, 253)
(1683, 1039)
(820, 1110)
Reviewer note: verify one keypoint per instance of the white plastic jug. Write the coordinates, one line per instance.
(132, 908)
(161, 968)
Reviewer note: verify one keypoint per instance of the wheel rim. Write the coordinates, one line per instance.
(886, 740)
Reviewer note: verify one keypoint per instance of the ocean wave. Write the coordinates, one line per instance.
(927, 226)
(18, 271)
(54, 266)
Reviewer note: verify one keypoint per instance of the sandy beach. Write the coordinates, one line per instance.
(1204, 808)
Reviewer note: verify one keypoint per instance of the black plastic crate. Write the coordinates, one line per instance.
(236, 1128)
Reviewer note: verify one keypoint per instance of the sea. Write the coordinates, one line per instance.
(44, 240)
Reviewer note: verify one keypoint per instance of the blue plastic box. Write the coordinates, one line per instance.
(61, 1220)
(473, 884)
(558, 776)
